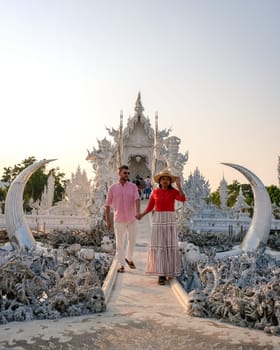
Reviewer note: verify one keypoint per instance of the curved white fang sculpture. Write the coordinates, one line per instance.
(19, 233)
(258, 231)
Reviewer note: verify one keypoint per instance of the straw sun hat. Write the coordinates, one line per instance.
(164, 173)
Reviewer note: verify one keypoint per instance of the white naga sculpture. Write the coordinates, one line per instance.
(19, 233)
(258, 232)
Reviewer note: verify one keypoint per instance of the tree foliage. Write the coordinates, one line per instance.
(36, 183)
(215, 197)
(234, 189)
(274, 194)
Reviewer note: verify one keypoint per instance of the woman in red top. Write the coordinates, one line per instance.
(163, 255)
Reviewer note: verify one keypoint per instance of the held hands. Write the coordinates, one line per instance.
(139, 216)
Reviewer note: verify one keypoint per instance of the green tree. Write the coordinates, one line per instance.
(233, 191)
(248, 194)
(3, 193)
(37, 181)
(59, 184)
(274, 194)
(215, 197)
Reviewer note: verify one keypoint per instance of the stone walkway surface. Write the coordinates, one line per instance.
(140, 315)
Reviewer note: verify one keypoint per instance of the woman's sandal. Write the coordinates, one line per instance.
(161, 280)
(130, 264)
(121, 269)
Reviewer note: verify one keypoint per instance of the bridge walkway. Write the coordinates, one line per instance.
(140, 315)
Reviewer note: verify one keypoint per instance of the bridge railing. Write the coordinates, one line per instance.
(55, 222)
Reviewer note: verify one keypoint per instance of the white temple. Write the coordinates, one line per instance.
(146, 150)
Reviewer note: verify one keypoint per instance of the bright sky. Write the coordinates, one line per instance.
(210, 68)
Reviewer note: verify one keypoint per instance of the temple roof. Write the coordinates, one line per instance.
(138, 105)
(138, 117)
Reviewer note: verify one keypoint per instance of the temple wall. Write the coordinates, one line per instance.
(63, 222)
(57, 222)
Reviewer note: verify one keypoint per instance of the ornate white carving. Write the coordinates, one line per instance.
(43, 206)
(103, 163)
(117, 143)
(78, 197)
(159, 151)
(198, 190)
(175, 160)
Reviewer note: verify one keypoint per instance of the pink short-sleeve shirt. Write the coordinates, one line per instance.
(122, 198)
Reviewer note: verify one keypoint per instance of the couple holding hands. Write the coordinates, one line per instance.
(163, 254)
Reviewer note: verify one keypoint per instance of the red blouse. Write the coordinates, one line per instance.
(164, 200)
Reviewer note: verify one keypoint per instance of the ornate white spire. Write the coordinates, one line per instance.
(138, 105)
(223, 193)
(120, 141)
(156, 126)
(240, 203)
(198, 190)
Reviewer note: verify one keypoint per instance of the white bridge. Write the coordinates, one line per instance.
(47, 223)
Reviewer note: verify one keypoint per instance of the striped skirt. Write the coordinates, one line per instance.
(163, 254)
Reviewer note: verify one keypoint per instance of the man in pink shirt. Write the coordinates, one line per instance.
(124, 198)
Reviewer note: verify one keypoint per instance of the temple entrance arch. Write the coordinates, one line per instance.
(138, 165)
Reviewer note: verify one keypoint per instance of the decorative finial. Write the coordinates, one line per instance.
(138, 106)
